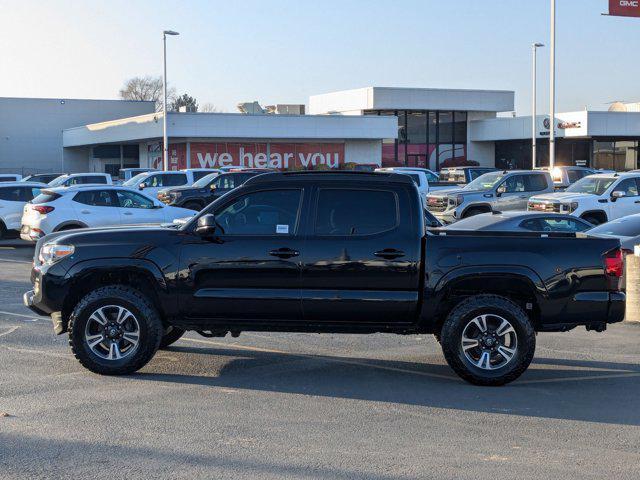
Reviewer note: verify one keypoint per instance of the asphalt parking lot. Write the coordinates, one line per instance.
(311, 406)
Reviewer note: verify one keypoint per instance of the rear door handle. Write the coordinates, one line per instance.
(284, 253)
(85, 211)
(389, 253)
(128, 213)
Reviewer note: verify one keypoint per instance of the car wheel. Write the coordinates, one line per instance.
(593, 220)
(473, 212)
(488, 340)
(171, 335)
(193, 206)
(114, 330)
(3, 230)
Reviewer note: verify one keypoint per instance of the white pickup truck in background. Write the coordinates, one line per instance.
(595, 198)
(426, 180)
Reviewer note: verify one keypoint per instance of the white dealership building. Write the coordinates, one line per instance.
(365, 126)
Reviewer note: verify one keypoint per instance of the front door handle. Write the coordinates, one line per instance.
(389, 253)
(284, 253)
(85, 211)
(128, 213)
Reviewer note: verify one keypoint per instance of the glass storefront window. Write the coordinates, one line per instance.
(603, 155)
(445, 127)
(460, 126)
(417, 127)
(626, 155)
(433, 126)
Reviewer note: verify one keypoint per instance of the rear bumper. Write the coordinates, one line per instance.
(30, 234)
(594, 310)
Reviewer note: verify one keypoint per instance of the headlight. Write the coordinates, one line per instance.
(50, 253)
(456, 201)
(568, 207)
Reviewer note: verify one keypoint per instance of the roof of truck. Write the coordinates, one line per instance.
(335, 175)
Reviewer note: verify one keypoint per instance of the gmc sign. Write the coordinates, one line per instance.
(624, 8)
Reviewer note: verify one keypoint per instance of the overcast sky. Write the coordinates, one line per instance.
(282, 51)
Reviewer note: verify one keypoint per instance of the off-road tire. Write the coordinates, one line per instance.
(472, 212)
(171, 335)
(467, 310)
(151, 329)
(193, 206)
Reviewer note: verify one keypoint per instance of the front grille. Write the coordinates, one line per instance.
(437, 204)
(164, 198)
(539, 206)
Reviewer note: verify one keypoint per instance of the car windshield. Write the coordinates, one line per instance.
(204, 181)
(56, 182)
(455, 176)
(485, 182)
(593, 185)
(135, 180)
(624, 227)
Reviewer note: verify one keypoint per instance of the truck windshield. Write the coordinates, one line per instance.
(204, 181)
(485, 182)
(56, 182)
(135, 180)
(593, 185)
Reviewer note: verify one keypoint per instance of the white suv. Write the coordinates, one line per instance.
(81, 178)
(81, 206)
(152, 182)
(596, 198)
(13, 197)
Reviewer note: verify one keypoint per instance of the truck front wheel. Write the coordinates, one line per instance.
(114, 330)
(488, 340)
(171, 336)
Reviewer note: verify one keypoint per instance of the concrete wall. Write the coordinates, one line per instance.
(363, 151)
(31, 128)
(390, 98)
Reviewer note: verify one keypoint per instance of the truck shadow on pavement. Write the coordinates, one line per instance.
(583, 390)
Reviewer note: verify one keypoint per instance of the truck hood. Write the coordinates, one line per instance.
(109, 242)
(183, 189)
(561, 197)
(455, 191)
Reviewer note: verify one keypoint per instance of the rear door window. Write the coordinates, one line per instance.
(535, 182)
(173, 180)
(96, 198)
(11, 194)
(355, 212)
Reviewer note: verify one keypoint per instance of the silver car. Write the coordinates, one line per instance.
(626, 229)
(517, 221)
(501, 191)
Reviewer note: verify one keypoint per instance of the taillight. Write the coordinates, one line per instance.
(42, 208)
(614, 263)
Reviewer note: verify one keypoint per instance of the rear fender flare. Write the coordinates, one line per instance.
(436, 294)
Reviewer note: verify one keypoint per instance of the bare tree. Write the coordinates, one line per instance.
(209, 108)
(146, 88)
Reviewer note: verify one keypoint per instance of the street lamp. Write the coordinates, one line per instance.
(165, 142)
(552, 89)
(534, 124)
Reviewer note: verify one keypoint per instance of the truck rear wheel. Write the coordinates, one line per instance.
(488, 340)
(171, 336)
(114, 330)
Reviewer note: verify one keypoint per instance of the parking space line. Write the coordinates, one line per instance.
(578, 379)
(15, 261)
(11, 330)
(32, 317)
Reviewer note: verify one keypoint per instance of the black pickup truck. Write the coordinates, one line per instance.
(322, 252)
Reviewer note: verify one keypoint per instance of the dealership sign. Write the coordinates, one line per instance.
(281, 156)
(624, 8)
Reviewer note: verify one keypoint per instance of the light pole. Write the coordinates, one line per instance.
(165, 141)
(534, 124)
(552, 89)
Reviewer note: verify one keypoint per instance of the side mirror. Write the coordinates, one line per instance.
(141, 186)
(617, 194)
(206, 225)
(501, 189)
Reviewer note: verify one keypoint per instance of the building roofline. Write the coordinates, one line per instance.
(78, 99)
